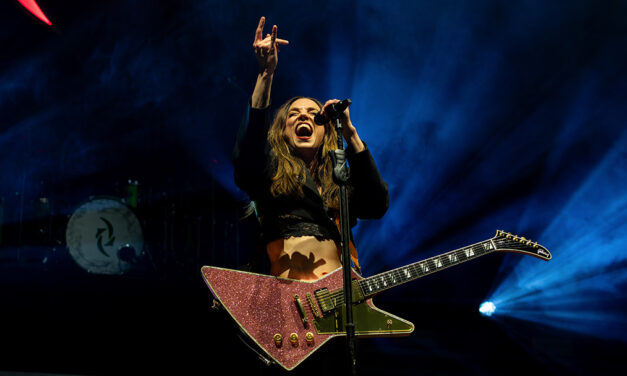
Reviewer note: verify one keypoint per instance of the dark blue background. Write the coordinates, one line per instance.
(481, 115)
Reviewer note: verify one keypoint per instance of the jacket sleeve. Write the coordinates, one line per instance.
(251, 155)
(369, 198)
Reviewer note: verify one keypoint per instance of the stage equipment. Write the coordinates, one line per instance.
(333, 112)
(104, 236)
(340, 177)
(487, 308)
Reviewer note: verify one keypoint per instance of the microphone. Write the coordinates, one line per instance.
(333, 112)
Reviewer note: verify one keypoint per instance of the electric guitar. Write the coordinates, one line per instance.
(290, 319)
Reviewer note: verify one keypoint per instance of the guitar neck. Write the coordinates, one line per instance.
(392, 278)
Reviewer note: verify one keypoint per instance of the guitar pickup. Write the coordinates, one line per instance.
(301, 309)
(324, 300)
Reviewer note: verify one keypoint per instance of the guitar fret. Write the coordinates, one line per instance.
(407, 273)
(414, 271)
(431, 264)
(419, 269)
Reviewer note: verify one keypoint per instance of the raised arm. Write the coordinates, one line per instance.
(266, 50)
(250, 155)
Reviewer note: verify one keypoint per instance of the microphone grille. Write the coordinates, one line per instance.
(320, 119)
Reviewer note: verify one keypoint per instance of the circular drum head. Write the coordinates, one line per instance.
(104, 236)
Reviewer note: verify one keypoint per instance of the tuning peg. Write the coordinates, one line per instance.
(535, 245)
(529, 242)
(522, 239)
(508, 236)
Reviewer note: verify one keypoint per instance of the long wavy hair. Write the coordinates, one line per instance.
(290, 169)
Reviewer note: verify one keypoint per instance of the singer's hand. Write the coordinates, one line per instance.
(266, 49)
(348, 129)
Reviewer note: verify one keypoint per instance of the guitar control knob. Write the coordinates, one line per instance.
(309, 337)
(294, 339)
(278, 339)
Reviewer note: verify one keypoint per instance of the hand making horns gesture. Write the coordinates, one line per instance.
(266, 49)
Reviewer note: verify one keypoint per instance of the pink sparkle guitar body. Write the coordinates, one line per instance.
(264, 306)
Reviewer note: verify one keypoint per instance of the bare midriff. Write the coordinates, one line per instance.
(304, 257)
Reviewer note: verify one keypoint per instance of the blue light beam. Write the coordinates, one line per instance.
(583, 288)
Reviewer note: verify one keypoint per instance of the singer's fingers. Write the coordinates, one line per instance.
(268, 39)
(329, 103)
(268, 42)
(259, 31)
(273, 41)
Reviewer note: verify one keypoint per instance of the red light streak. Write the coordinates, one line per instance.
(32, 7)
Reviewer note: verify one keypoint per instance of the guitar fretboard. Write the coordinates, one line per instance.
(383, 281)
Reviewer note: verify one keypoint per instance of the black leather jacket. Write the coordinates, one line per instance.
(293, 216)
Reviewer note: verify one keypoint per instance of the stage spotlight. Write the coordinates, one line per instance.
(487, 308)
(583, 288)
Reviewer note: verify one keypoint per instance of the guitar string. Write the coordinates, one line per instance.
(444, 261)
(478, 250)
(431, 264)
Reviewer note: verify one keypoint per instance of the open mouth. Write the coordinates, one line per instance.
(304, 131)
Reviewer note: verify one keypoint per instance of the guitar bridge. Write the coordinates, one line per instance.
(313, 306)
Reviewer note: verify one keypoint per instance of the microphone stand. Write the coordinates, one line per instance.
(340, 175)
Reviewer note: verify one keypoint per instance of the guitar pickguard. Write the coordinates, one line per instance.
(369, 321)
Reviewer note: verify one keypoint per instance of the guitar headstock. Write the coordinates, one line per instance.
(507, 242)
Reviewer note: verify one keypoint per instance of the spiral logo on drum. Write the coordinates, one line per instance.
(111, 238)
(104, 236)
